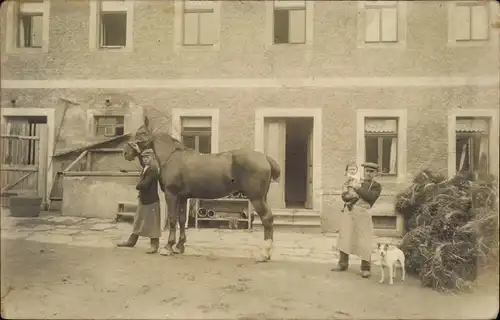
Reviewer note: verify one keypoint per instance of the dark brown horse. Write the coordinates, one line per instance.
(186, 173)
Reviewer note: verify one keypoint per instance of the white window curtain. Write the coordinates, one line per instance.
(385, 126)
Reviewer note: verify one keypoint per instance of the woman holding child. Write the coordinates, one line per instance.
(356, 227)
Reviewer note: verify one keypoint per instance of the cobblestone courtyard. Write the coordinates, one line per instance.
(69, 268)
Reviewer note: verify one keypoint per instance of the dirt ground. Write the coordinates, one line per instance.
(59, 281)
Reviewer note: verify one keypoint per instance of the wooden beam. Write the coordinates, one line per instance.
(110, 150)
(76, 160)
(101, 174)
(19, 168)
(19, 137)
(88, 165)
(13, 184)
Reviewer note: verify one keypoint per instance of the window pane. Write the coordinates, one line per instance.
(190, 28)
(480, 23)
(371, 149)
(205, 145)
(281, 26)
(389, 24)
(189, 141)
(297, 25)
(36, 31)
(372, 25)
(389, 155)
(462, 23)
(119, 131)
(25, 31)
(100, 130)
(207, 28)
(114, 29)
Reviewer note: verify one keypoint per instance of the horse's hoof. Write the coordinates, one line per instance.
(179, 249)
(263, 259)
(166, 252)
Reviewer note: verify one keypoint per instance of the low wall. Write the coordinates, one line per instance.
(96, 195)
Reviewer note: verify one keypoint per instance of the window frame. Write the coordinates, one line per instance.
(380, 136)
(179, 113)
(493, 10)
(269, 28)
(401, 149)
(401, 24)
(95, 25)
(12, 27)
(493, 139)
(289, 6)
(196, 6)
(96, 119)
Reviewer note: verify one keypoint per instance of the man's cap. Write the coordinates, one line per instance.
(370, 165)
(147, 152)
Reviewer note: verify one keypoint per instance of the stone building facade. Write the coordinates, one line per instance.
(314, 84)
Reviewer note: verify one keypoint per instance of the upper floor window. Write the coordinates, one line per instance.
(472, 144)
(471, 21)
(30, 26)
(289, 21)
(381, 22)
(199, 23)
(109, 126)
(197, 133)
(113, 24)
(381, 143)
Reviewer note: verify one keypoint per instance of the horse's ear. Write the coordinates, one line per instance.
(146, 121)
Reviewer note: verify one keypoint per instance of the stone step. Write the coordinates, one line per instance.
(291, 218)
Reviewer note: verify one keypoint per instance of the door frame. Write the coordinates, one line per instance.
(50, 114)
(317, 115)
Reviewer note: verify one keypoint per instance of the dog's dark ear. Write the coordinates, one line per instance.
(378, 245)
(386, 247)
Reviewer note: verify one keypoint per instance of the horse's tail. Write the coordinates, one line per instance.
(275, 168)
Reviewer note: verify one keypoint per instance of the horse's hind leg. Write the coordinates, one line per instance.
(172, 207)
(266, 216)
(179, 247)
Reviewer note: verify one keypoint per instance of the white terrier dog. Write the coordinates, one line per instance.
(389, 258)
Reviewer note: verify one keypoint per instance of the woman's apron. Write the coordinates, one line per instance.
(356, 231)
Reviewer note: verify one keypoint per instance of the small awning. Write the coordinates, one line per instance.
(477, 125)
(381, 125)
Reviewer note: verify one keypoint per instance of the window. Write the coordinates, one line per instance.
(289, 21)
(381, 143)
(112, 24)
(199, 23)
(381, 22)
(197, 133)
(109, 126)
(471, 21)
(30, 24)
(472, 144)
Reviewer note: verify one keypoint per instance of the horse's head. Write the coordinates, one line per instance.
(144, 139)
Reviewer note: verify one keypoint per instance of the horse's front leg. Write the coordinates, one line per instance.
(267, 219)
(172, 221)
(182, 225)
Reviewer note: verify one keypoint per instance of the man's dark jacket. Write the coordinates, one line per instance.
(148, 186)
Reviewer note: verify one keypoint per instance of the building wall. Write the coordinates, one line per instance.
(427, 77)
(243, 52)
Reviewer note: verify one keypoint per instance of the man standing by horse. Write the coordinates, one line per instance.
(356, 227)
(147, 218)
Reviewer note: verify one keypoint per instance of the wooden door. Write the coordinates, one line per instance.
(310, 169)
(274, 146)
(23, 152)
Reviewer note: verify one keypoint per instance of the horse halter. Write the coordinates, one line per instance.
(135, 146)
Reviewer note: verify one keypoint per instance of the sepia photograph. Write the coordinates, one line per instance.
(265, 159)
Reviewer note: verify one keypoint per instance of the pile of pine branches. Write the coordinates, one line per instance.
(451, 227)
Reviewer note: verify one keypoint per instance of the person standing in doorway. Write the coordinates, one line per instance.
(147, 218)
(356, 227)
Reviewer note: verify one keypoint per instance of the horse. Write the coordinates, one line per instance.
(186, 173)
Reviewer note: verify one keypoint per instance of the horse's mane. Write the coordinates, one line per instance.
(165, 136)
